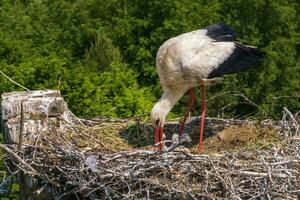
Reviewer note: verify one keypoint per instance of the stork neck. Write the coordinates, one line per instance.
(169, 99)
(164, 105)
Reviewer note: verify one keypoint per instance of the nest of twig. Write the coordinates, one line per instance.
(81, 165)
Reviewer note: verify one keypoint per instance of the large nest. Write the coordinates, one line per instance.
(104, 162)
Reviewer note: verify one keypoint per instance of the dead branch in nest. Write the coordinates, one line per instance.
(290, 125)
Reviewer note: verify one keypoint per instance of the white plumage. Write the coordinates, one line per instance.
(189, 58)
(196, 58)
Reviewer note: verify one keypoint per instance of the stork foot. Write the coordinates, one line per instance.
(200, 147)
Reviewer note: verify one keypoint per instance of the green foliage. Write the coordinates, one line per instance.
(101, 54)
(55, 45)
(114, 93)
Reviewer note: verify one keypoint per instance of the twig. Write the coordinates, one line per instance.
(290, 126)
(8, 178)
(21, 127)
(72, 114)
(281, 97)
(290, 115)
(18, 158)
(14, 81)
(238, 94)
(262, 174)
(250, 102)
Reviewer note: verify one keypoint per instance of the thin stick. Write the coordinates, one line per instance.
(21, 127)
(73, 115)
(262, 174)
(290, 115)
(18, 158)
(239, 94)
(14, 81)
(249, 101)
(8, 179)
(286, 97)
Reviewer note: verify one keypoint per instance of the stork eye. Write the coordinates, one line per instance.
(157, 122)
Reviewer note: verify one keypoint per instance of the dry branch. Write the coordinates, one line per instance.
(290, 126)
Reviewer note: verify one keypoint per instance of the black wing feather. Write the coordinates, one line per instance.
(221, 32)
(242, 58)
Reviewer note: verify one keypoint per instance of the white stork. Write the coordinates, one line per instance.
(197, 58)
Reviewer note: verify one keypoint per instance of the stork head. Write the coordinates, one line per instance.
(158, 115)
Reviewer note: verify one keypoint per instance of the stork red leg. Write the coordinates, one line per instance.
(203, 110)
(161, 133)
(190, 104)
(158, 137)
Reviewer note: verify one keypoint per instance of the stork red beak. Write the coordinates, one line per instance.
(158, 137)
